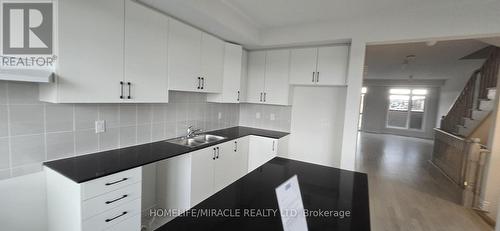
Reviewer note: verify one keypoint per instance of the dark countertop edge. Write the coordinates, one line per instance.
(188, 150)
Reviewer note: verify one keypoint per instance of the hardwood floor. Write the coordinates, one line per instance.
(408, 193)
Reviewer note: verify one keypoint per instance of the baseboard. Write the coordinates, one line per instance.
(486, 218)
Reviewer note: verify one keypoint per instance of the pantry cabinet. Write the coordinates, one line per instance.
(231, 77)
(324, 66)
(120, 59)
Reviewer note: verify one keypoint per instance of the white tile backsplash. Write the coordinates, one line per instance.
(59, 117)
(60, 145)
(282, 116)
(32, 132)
(27, 149)
(26, 119)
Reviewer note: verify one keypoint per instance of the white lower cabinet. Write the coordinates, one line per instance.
(106, 203)
(186, 180)
(261, 150)
(216, 167)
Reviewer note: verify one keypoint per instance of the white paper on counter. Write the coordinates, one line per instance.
(291, 206)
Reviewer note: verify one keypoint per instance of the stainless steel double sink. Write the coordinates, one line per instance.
(197, 140)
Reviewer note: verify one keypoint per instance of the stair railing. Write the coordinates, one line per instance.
(467, 101)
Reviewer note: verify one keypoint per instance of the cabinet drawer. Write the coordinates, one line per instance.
(131, 224)
(113, 217)
(110, 200)
(110, 183)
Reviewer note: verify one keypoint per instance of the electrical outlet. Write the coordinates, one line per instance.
(219, 115)
(257, 115)
(272, 117)
(100, 126)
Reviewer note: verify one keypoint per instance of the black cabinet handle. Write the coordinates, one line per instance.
(202, 82)
(213, 158)
(317, 77)
(261, 97)
(115, 200)
(110, 219)
(218, 152)
(265, 96)
(121, 89)
(313, 76)
(235, 146)
(199, 82)
(116, 182)
(129, 89)
(238, 99)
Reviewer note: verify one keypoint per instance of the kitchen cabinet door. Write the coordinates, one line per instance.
(240, 160)
(332, 65)
(224, 166)
(90, 55)
(145, 54)
(184, 57)
(260, 150)
(256, 76)
(212, 63)
(276, 77)
(244, 77)
(303, 66)
(231, 78)
(202, 174)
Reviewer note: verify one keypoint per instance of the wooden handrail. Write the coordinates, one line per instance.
(464, 104)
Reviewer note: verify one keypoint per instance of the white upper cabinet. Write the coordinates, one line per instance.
(184, 57)
(319, 66)
(231, 81)
(244, 76)
(122, 58)
(195, 59)
(146, 34)
(268, 77)
(332, 65)
(256, 76)
(90, 55)
(212, 63)
(276, 80)
(303, 66)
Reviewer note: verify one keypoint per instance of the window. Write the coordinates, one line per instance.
(406, 108)
(361, 107)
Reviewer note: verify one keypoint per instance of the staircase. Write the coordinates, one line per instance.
(476, 101)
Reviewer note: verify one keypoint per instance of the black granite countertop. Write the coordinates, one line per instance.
(92, 166)
(322, 188)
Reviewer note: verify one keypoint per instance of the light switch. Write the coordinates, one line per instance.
(100, 126)
(257, 115)
(272, 117)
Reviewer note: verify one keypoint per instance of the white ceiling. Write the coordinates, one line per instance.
(246, 21)
(278, 13)
(441, 61)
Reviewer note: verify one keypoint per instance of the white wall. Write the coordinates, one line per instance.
(316, 125)
(23, 205)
